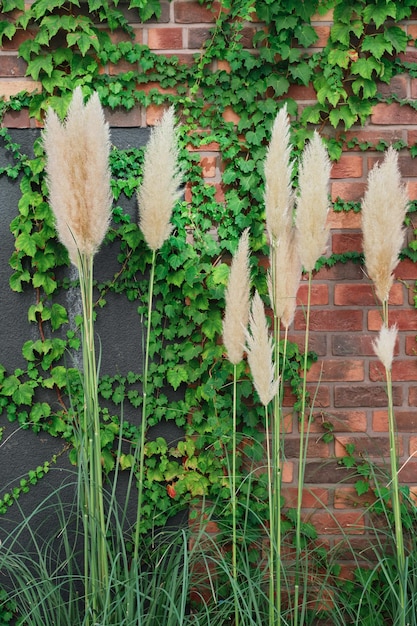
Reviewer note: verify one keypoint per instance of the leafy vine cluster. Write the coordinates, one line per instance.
(69, 44)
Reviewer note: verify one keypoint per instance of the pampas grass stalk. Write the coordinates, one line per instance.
(234, 332)
(312, 235)
(384, 208)
(157, 195)
(283, 280)
(77, 167)
(260, 351)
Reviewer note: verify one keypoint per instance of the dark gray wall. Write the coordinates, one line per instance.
(118, 326)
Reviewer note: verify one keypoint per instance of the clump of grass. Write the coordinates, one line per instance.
(77, 166)
(384, 208)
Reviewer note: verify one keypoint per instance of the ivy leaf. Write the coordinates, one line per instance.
(212, 325)
(26, 244)
(59, 316)
(377, 45)
(343, 114)
(40, 64)
(23, 394)
(10, 385)
(361, 486)
(366, 67)
(398, 37)
(379, 13)
(177, 375)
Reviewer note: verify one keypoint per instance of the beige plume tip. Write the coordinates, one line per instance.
(237, 297)
(78, 174)
(260, 352)
(161, 180)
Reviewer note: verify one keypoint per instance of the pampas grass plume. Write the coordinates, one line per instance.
(237, 302)
(78, 175)
(278, 168)
(384, 207)
(284, 277)
(313, 202)
(161, 180)
(260, 352)
(384, 345)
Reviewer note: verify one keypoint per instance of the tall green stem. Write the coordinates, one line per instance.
(95, 543)
(234, 496)
(143, 427)
(395, 487)
(302, 453)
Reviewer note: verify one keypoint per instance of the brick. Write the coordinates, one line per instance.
(197, 37)
(313, 498)
(11, 65)
(321, 396)
(327, 472)
(331, 370)
(363, 294)
(322, 17)
(154, 113)
(410, 56)
(121, 118)
(315, 448)
(302, 92)
(165, 38)
(224, 66)
(15, 43)
(377, 447)
(412, 396)
(405, 320)
(412, 32)
(348, 498)
(350, 523)
(408, 472)
(323, 33)
(208, 165)
(352, 345)
(342, 421)
(317, 342)
(406, 269)
(398, 86)
(12, 87)
(341, 271)
(350, 192)
(230, 116)
(319, 295)
(344, 321)
(287, 472)
(411, 345)
(412, 190)
(348, 166)
(405, 421)
(393, 114)
(344, 220)
(16, 119)
(374, 136)
(346, 242)
(194, 13)
(402, 370)
(354, 396)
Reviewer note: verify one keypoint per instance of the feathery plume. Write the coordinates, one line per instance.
(78, 174)
(237, 302)
(313, 202)
(384, 345)
(384, 207)
(279, 198)
(284, 277)
(260, 352)
(161, 180)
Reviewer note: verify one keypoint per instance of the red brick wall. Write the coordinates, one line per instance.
(345, 316)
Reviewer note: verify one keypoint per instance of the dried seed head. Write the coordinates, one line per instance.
(279, 198)
(161, 180)
(384, 345)
(313, 202)
(77, 166)
(260, 352)
(284, 277)
(237, 302)
(384, 207)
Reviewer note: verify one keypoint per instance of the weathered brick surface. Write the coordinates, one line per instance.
(347, 382)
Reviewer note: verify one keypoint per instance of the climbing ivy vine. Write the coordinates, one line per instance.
(68, 43)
